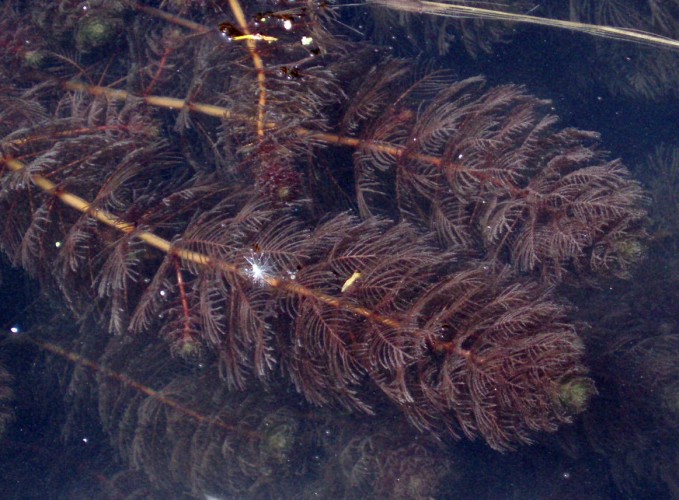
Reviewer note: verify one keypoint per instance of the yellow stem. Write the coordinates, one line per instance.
(201, 259)
(256, 60)
(220, 112)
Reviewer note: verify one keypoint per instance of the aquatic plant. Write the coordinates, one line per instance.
(196, 185)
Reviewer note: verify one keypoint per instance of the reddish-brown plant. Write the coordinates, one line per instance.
(417, 301)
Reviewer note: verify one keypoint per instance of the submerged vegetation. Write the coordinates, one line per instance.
(285, 247)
